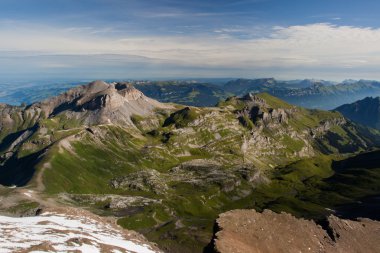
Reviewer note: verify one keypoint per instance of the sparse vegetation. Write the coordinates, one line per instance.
(181, 118)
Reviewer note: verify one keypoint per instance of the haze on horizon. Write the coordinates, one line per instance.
(112, 39)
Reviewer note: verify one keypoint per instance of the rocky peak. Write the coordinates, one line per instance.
(254, 100)
(114, 102)
(99, 94)
(327, 125)
(96, 86)
(128, 91)
(260, 111)
(97, 103)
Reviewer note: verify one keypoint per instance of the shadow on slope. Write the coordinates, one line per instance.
(19, 171)
(356, 177)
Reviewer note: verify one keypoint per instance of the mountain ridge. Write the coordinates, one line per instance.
(123, 105)
(310, 93)
(171, 167)
(365, 111)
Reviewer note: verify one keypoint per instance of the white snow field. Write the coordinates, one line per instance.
(67, 232)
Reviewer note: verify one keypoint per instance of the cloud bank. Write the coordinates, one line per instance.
(321, 50)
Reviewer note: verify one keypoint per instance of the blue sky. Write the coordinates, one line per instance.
(91, 39)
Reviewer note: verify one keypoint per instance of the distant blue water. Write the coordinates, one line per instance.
(30, 92)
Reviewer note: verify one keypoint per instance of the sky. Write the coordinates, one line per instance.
(165, 39)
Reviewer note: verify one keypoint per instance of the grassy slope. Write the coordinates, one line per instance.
(297, 188)
(306, 188)
(183, 220)
(95, 165)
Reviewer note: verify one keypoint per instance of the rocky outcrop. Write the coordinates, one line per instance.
(253, 99)
(197, 172)
(110, 201)
(262, 114)
(327, 125)
(248, 231)
(144, 180)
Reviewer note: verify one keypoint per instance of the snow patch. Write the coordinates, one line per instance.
(64, 232)
(28, 193)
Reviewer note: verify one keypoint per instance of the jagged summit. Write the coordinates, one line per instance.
(97, 103)
(251, 97)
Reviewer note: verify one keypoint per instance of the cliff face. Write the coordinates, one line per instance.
(249, 231)
(263, 114)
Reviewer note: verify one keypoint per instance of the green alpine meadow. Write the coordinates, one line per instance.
(167, 170)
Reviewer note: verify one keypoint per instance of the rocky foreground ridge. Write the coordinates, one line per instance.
(248, 231)
(68, 230)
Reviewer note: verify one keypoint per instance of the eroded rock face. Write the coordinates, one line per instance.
(148, 180)
(261, 113)
(244, 231)
(198, 173)
(327, 125)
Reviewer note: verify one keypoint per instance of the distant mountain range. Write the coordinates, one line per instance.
(365, 111)
(187, 93)
(309, 93)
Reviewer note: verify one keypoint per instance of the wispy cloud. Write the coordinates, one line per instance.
(229, 30)
(310, 48)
